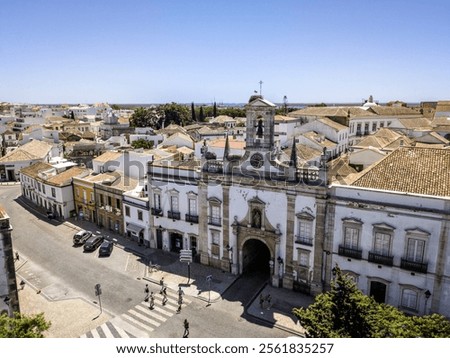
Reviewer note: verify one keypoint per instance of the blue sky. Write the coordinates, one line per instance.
(159, 51)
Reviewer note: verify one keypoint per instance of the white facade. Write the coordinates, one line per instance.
(136, 215)
(395, 245)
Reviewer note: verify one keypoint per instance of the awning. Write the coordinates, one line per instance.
(134, 228)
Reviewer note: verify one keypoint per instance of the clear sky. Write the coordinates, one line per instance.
(159, 51)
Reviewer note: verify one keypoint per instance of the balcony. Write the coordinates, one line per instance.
(192, 218)
(212, 220)
(414, 265)
(381, 259)
(156, 212)
(173, 215)
(346, 251)
(299, 239)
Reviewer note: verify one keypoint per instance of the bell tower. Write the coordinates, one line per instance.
(260, 124)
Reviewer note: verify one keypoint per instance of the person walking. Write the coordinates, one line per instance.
(146, 291)
(180, 302)
(186, 328)
(161, 282)
(261, 301)
(164, 293)
(152, 301)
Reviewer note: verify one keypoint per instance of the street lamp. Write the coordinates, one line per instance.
(230, 254)
(427, 296)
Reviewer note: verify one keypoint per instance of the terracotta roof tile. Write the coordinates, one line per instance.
(410, 170)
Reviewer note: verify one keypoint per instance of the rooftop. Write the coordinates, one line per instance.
(32, 150)
(410, 170)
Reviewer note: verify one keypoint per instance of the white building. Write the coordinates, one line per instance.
(136, 215)
(390, 230)
(50, 187)
(22, 157)
(244, 213)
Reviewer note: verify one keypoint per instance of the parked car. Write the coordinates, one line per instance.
(81, 237)
(105, 248)
(93, 243)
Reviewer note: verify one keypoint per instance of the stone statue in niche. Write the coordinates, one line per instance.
(256, 218)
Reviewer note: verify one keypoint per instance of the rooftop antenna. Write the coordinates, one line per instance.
(260, 87)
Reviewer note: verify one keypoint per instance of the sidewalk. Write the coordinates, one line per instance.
(175, 275)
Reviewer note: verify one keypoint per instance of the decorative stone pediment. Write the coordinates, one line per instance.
(417, 232)
(214, 201)
(384, 226)
(304, 215)
(352, 221)
(256, 218)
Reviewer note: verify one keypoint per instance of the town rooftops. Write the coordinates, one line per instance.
(410, 170)
(34, 150)
(107, 156)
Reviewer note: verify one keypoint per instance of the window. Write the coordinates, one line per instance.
(92, 197)
(192, 206)
(54, 192)
(409, 299)
(214, 212)
(305, 229)
(215, 243)
(157, 201)
(39, 186)
(415, 250)
(118, 204)
(109, 200)
(382, 243)
(174, 203)
(43, 188)
(140, 218)
(215, 237)
(77, 192)
(100, 197)
(381, 124)
(374, 126)
(127, 210)
(303, 258)
(351, 237)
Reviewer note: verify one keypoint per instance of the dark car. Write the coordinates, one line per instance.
(105, 248)
(81, 237)
(93, 243)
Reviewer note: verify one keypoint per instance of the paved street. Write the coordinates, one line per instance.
(60, 282)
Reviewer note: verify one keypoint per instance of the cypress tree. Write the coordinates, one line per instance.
(194, 119)
(201, 116)
(215, 110)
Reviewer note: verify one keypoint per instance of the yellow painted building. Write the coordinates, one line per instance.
(83, 193)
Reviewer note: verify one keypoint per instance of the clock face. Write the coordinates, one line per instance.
(256, 160)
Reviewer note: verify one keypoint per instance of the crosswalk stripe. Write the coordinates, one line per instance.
(138, 319)
(133, 318)
(152, 313)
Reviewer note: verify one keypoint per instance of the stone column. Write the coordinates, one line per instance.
(225, 262)
(288, 280)
(203, 220)
(319, 246)
(276, 266)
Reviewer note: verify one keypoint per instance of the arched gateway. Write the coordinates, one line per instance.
(256, 257)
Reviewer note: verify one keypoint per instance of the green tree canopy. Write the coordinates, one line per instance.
(22, 326)
(142, 143)
(345, 312)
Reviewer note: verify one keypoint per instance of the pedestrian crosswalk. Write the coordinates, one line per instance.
(139, 321)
